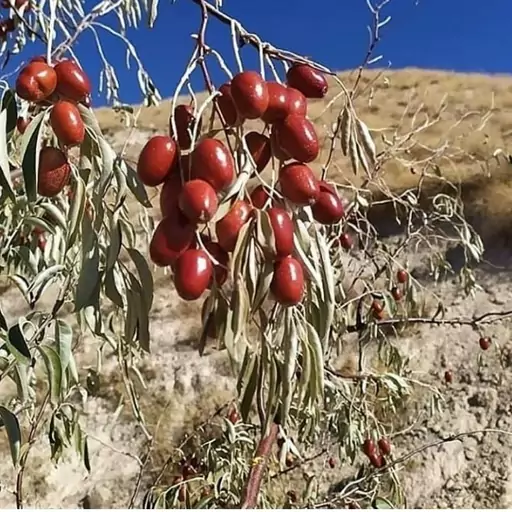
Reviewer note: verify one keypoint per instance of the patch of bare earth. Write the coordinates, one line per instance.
(183, 388)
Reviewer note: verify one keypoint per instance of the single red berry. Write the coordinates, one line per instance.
(331, 462)
(402, 276)
(448, 376)
(369, 447)
(384, 446)
(345, 240)
(485, 342)
(396, 293)
(376, 460)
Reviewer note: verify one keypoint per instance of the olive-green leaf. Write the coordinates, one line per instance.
(111, 288)
(145, 275)
(63, 340)
(30, 149)
(250, 388)
(12, 426)
(9, 105)
(135, 185)
(5, 174)
(54, 370)
(3, 321)
(380, 502)
(88, 279)
(77, 211)
(114, 247)
(17, 343)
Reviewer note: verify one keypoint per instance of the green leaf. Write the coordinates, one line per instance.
(12, 426)
(3, 321)
(54, 370)
(250, 388)
(55, 213)
(40, 223)
(17, 343)
(43, 280)
(5, 174)
(135, 185)
(63, 340)
(88, 279)
(30, 149)
(145, 275)
(9, 105)
(112, 289)
(77, 211)
(114, 247)
(382, 503)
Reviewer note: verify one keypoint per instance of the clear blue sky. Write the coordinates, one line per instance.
(463, 35)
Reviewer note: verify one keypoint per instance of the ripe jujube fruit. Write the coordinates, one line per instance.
(250, 94)
(72, 82)
(277, 103)
(369, 447)
(260, 149)
(260, 195)
(328, 208)
(21, 124)
(54, 172)
(299, 184)
(287, 284)
(377, 310)
(156, 160)
(198, 201)
(193, 272)
(376, 460)
(396, 293)
(172, 237)
(212, 162)
(297, 137)
(307, 80)
(332, 462)
(36, 81)
(448, 376)
(220, 270)
(297, 102)
(227, 106)
(228, 228)
(384, 446)
(282, 227)
(185, 121)
(345, 240)
(67, 123)
(402, 276)
(484, 342)
(170, 193)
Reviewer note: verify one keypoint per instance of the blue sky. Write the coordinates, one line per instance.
(463, 35)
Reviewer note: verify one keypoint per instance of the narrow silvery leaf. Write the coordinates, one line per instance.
(17, 343)
(54, 370)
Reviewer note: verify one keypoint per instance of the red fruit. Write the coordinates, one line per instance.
(282, 226)
(212, 162)
(250, 94)
(260, 195)
(328, 208)
(36, 81)
(156, 160)
(297, 103)
(41, 243)
(21, 124)
(277, 103)
(299, 184)
(396, 293)
(376, 460)
(377, 310)
(39, 58)
(228, 228)
(233, 416)
(171, 238)
(54, 171)
(485, 343)
(198, 201)
(170, 193)
(331, 462)
(72, 82)
(288, 281)
(307, 80)
(67, 123)
(448, 376)
(402, 276)
(227, 106)
(369, 447)
(276, 148)
(220, 271)
(345, 240)
(260, 149)
(384, 446)
(185, 121)
(297, 137)
(193, 272)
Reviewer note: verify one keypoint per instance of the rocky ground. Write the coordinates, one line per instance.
(475, 471)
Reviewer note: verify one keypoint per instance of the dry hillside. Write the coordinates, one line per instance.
(182, 387)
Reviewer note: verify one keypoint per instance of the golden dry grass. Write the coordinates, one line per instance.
(388, 104)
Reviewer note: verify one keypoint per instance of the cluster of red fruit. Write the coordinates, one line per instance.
(377, 457)
(194, 182)
(377, 307)
(59, 87)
